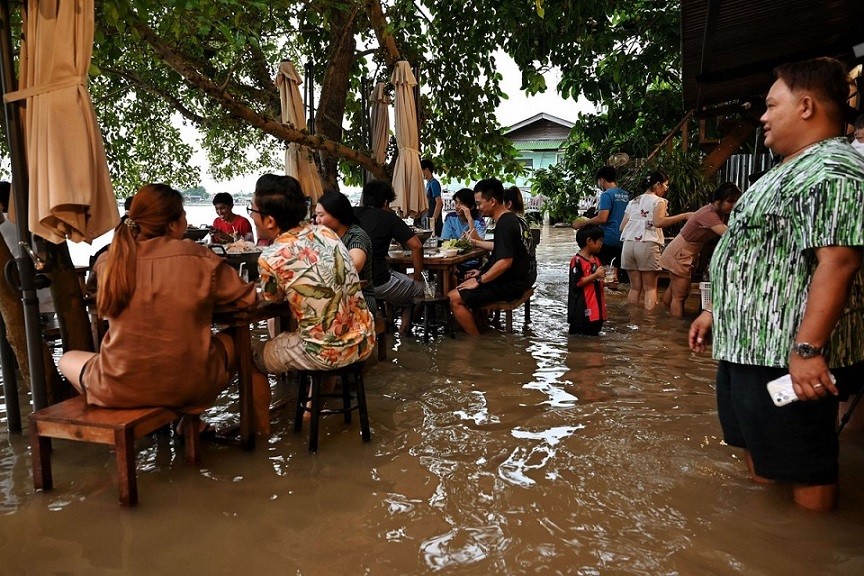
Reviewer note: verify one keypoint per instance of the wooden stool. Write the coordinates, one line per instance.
(508, 307)
(74, 419)
(316, 378)
(430, 308)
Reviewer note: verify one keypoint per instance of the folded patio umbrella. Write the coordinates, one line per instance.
(70, 194)
(298, 159)
(380, 104)
(407, 175)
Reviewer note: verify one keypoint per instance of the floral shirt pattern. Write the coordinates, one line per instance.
(309, 267)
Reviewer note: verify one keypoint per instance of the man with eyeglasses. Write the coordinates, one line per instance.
(307, 266)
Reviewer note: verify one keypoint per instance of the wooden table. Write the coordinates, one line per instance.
(241, 321)
(444, 268)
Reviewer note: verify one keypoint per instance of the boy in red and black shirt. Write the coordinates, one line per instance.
(586, 303)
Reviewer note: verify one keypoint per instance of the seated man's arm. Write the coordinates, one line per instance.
(416, 248)
(494, 271)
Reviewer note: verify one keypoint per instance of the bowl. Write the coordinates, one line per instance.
(450, 252)
(196, 234)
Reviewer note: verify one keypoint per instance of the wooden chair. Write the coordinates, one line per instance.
(74, 419)
(349, 375)
(508, 307)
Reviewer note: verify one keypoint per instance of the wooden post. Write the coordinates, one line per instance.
(728, 145)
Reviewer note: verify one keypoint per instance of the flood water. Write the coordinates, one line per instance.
(506, 454)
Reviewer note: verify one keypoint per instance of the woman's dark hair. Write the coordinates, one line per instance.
(281, 198)
(376, 193)
(337, 205)
(726, 191)
(155, 207)
(466, 197)
(223, 198)
(653, 178)
(513, 195)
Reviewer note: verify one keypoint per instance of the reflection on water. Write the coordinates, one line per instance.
(507, 454)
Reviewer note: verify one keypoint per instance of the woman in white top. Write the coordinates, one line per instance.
(642, 233)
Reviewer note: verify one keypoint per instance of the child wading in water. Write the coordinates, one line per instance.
(586, 303)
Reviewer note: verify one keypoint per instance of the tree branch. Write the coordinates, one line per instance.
(385, 39)
(172, 100)
(244, 112)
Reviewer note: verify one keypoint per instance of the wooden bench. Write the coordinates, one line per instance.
(508, 307)
(74, 419)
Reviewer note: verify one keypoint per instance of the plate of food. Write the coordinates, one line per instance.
(460, 245)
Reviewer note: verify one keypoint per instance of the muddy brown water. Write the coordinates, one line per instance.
(506, 454)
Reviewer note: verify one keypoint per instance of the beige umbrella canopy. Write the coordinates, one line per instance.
(380, 113)
(407, 175)
(298, 159)
(71, 196)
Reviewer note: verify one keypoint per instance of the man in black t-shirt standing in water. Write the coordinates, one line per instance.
(508, 273)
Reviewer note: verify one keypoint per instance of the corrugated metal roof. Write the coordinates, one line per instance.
(538, 144)
(730, 47)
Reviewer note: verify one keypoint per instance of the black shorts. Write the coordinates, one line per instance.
(491, 292)
(587, 328)
(796, 443)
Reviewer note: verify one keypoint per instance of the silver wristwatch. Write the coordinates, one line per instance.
(807, 350)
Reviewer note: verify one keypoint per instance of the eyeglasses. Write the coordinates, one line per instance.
(250, 210)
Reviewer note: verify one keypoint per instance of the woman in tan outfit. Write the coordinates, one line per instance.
(158, 293)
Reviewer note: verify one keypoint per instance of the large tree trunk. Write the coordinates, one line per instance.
(335, 86)
(69, 300)
(13, 316)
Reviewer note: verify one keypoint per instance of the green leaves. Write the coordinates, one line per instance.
(622, 56)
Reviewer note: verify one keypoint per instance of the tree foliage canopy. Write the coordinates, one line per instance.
(210, 65)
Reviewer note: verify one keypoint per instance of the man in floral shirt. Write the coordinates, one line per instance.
(308, 267)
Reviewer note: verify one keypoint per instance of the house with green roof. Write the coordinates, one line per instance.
(539, 140)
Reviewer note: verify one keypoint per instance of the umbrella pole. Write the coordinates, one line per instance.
(20, 186)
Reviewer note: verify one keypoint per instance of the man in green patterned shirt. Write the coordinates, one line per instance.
(788, 288)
